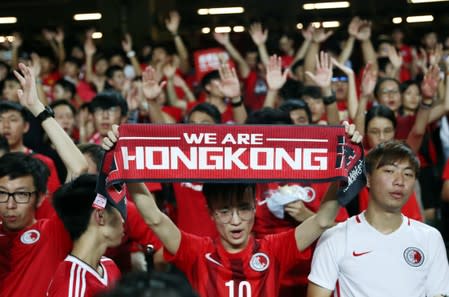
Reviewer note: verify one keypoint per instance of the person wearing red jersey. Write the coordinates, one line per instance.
(381, 252)
(31, 248)
(85, 272)
(235, 264)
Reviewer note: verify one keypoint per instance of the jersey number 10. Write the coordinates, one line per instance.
(244, 289)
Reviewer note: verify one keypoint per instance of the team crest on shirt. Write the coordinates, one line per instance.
(259, 262)
(30, 236)
(414, 256)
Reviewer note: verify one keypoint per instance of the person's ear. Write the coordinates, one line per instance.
(26, 127)
(99, 215)
(368, 177)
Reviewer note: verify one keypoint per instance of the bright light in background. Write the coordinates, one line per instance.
(238, 29)
(331, 24)
(205, 30)
(419, 19)
(326, 5)
(220, 10)
(97, 35)
(8, 20)
(425, 1)
(316, 25)
(299, 26)
(8, 38)
(225, 29)
(397, 20)
(87, 16)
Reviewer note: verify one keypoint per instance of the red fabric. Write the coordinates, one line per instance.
(411, 209)
(406, 53)
(175, 112)
(84, 91)
(53, 182)
(136, 231)
(27, 269)
(214, 272)
(192, 212)
(286, 61)
(76, 278)
(404, 125)
(255, 91)
(445, 175)
(266, 223)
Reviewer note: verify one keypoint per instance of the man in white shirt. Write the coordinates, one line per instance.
(380, 252)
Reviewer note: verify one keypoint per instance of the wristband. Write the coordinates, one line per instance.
(45, 114)
(238, 103)
(328, 100)
(131, 54)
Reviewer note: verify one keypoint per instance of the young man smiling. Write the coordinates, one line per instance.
(235, 263)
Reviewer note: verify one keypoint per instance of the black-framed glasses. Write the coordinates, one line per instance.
(225, 215)
(19, 197)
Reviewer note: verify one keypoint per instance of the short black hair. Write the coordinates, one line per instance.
(208, 77)
(380, 111)
(312, 91)
(74, 61)
(294, 104)
(11, 77)
(381, 81)
(67, 86)
(112, 70)
(389, 152)
(207, 108)
(269, 116)
(95, 151)
(16, 164)
(226, 194)
(73, 204)
(60, 102)
(108, 99)
(6, 106)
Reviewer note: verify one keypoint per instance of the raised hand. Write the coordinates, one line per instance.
(59, 35)
(298, 210)
(89, 45)
(275, 78)
(347, 70)
(364, 30)
(48, 35)
(369, 80)
(169, 70)
(150, 85)
(110, 140)
(394, 57)
(323, 73)
(353, 28)
(308, 32)
(127, 43)
(172, 22)
(436, 55)
(132, 98)
(320, 35)
(229, 83)
(258, 35)
(28, 94)
(429, 84)
(36, 65)
(221, 38)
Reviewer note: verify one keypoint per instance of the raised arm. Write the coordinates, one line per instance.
(72, 157)
(352, 101)
(318, 36)
(322, 78)
(89, 51)
(229, 85)
(275, 80)
(259, 37)
(159, 222)
(169, 71)
(127, 45)
(223, 39)
(312, 228)
(172, 24)
(353, 28)
(364, 36)
(368, 84)
(152, 89)
(302, 51)
(429, 87)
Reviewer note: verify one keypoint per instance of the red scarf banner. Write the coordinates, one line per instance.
(232, 153)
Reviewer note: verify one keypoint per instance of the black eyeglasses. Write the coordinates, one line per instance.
(225, 215)
(19, 197)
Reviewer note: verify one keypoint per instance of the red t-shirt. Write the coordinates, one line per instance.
(255, 91)
(405, 52)
(255, 271)
(29, 258)
(53, 182)
(84, 91)
(192, 212)
(76, 278)
(445, 175)
(411, 209)
(266, 223)
(136, 231)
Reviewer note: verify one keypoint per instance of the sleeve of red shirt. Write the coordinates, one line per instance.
(138, 231)
(190, 248)
(446, 171)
